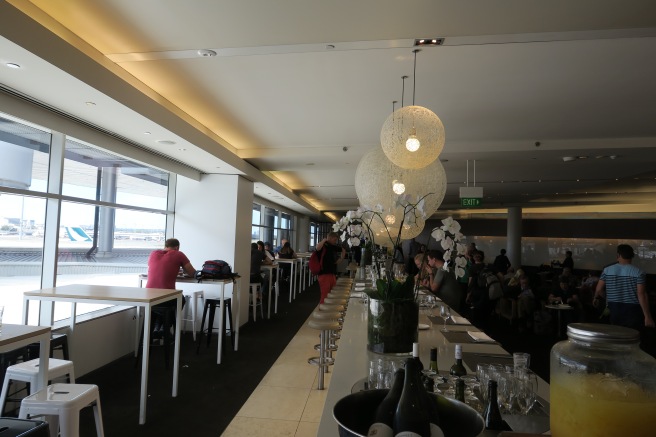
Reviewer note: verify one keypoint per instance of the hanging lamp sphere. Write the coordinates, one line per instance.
(398, 187)
(376, 174)
(408, 128)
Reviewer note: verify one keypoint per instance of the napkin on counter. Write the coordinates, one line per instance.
(480, 337)
(460, 320)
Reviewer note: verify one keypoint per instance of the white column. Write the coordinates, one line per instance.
(514, 236)
(213, 221)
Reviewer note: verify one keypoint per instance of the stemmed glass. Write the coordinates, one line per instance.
(445, 313)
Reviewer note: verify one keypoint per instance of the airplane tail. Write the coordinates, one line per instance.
(76, 233)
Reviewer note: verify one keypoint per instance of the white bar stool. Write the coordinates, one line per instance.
(63, 402)
(28, 371)
(192, 303)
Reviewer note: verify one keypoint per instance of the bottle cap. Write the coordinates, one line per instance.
(415, 349)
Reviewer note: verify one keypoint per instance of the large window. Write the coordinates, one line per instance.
(271, 226)
(112, 215)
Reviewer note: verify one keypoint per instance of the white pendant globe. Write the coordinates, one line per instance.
(398, 129)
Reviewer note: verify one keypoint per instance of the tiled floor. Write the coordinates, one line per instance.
(286, 403)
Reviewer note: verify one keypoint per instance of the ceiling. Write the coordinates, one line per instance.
(299, 89)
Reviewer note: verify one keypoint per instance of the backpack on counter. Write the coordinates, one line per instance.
(215, 269)
(316, 261)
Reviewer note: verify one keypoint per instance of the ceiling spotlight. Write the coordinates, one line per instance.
(582, 157)
(90, 103)
(613, 156)
(12, 65)
(569, 158)
(205, 53)
(429, 41)
(165, 142)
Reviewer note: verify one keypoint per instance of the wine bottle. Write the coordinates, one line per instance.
(458, 369)
(411, 416)
(415, 355)
(492, 414)
(384, 419)
(460, 390)
(432, 365)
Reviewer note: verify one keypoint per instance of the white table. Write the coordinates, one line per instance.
(220, 284)
(271, 268)
(16, 336)
(292, 275)
(144, 298)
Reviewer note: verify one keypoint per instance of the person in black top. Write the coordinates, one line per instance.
(332, 255)
(568, 262)
(501, 263)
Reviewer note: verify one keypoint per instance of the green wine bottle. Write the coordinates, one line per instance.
(458, 369)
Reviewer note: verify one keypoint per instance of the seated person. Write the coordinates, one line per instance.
(565, 293)
(286, 252)
(268, 250)
(257, 259)
(422, 278)
(525, 303)
(512, 286)
(443, 283)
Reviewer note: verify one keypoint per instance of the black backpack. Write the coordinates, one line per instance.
(215, 269)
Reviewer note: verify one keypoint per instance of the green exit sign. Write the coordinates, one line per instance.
(470, 202)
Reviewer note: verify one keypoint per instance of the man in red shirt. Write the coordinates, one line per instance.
(163, 268)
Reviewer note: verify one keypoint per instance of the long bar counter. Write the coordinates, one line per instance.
(352, 358)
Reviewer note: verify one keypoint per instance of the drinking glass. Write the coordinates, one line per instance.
(527, 387)
(507, 391)
(521, 360)
(483, 375)
(445, 313)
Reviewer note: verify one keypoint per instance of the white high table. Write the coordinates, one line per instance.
(14, 337)
(352, 358)
(144, 298)
(293, 282)
(219, 286)
(271, 268)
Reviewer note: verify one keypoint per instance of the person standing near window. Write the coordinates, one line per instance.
(334, 254)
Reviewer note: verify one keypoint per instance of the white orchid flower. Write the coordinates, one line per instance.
(461, 249)
(458, 236)
(336, 227)
(461, 261)
(344, 236)
(378, 208)
(447, 255)
(447, 243)
(420, 208)
(445, 267)
(354, 241)
(460, 272)
(438, 234)
(450, 225)
(402, 200)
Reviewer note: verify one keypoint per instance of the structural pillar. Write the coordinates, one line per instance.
(514, 236)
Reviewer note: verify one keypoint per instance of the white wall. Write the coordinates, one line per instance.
(303, 234)
(213, 221)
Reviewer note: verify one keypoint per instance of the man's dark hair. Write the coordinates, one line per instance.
(568, 253)
(172, 243)
(625, 251)
(436, 254)
(503, 251)
(254, 246)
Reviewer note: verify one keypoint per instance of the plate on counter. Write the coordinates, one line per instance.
(422, 326)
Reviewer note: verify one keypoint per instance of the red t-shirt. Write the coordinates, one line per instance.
(163, 268)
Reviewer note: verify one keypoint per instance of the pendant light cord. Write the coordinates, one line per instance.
(414, 77)
(403, 78)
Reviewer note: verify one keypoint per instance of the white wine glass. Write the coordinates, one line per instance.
(445, 313)
(507, 391)
(527, 387)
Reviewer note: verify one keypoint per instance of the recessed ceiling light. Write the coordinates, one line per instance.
(310, 163)
(182, 150)
(12, 65)
(429, 41)
(205, 53)
(582, 157)
(167, 142)
(90, 103)
(569, 158)
(146, 133)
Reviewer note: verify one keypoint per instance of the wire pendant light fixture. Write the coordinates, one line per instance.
(413, 136)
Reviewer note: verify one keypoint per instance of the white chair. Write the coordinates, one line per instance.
(192, 304)
(253, 301)
(28, 371)
(62, 404)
